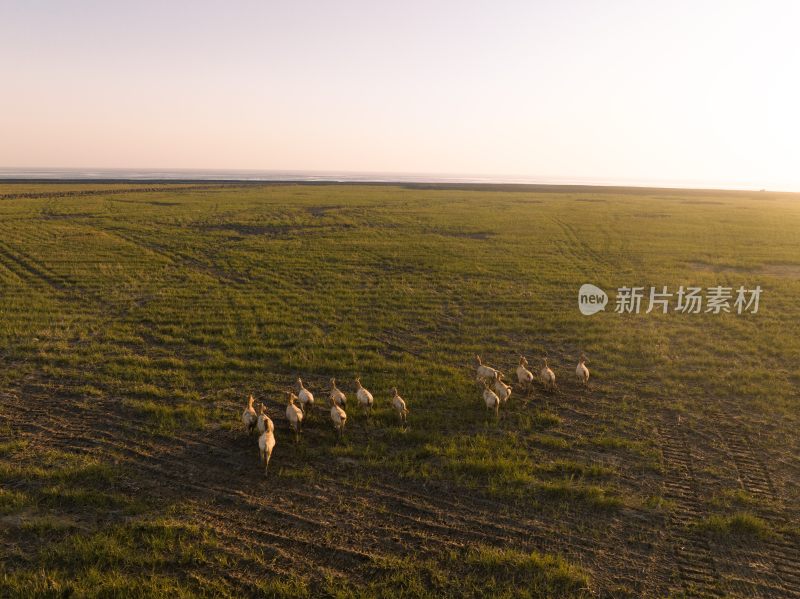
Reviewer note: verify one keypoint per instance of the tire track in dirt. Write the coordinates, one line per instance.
(180, 258)
(697, 574)
(27, 270)
(418, 519)
(187, 470)
(578, 249)
(217, 473)
(768, 568)
(461, 522)
(75, 295)
(755, 478)
(785, 561)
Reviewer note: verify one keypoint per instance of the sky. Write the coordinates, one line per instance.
(702, 91)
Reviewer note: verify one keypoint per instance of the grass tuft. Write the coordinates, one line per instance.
(736, 527)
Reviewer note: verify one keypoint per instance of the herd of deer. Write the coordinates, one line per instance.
(299, 405)
(500, 391)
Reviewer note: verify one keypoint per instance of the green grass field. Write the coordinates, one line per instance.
(135, 320)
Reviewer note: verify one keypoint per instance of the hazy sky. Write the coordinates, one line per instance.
(679, 91)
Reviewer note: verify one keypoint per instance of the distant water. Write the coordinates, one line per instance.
(339, 177)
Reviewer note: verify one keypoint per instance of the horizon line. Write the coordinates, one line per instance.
(243, 175)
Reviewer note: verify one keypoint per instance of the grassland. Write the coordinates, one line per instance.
(134, 320)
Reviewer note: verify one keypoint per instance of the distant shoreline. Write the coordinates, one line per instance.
(418, 185)
(284, 177)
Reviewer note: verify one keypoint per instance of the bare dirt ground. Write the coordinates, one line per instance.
(338, 526)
